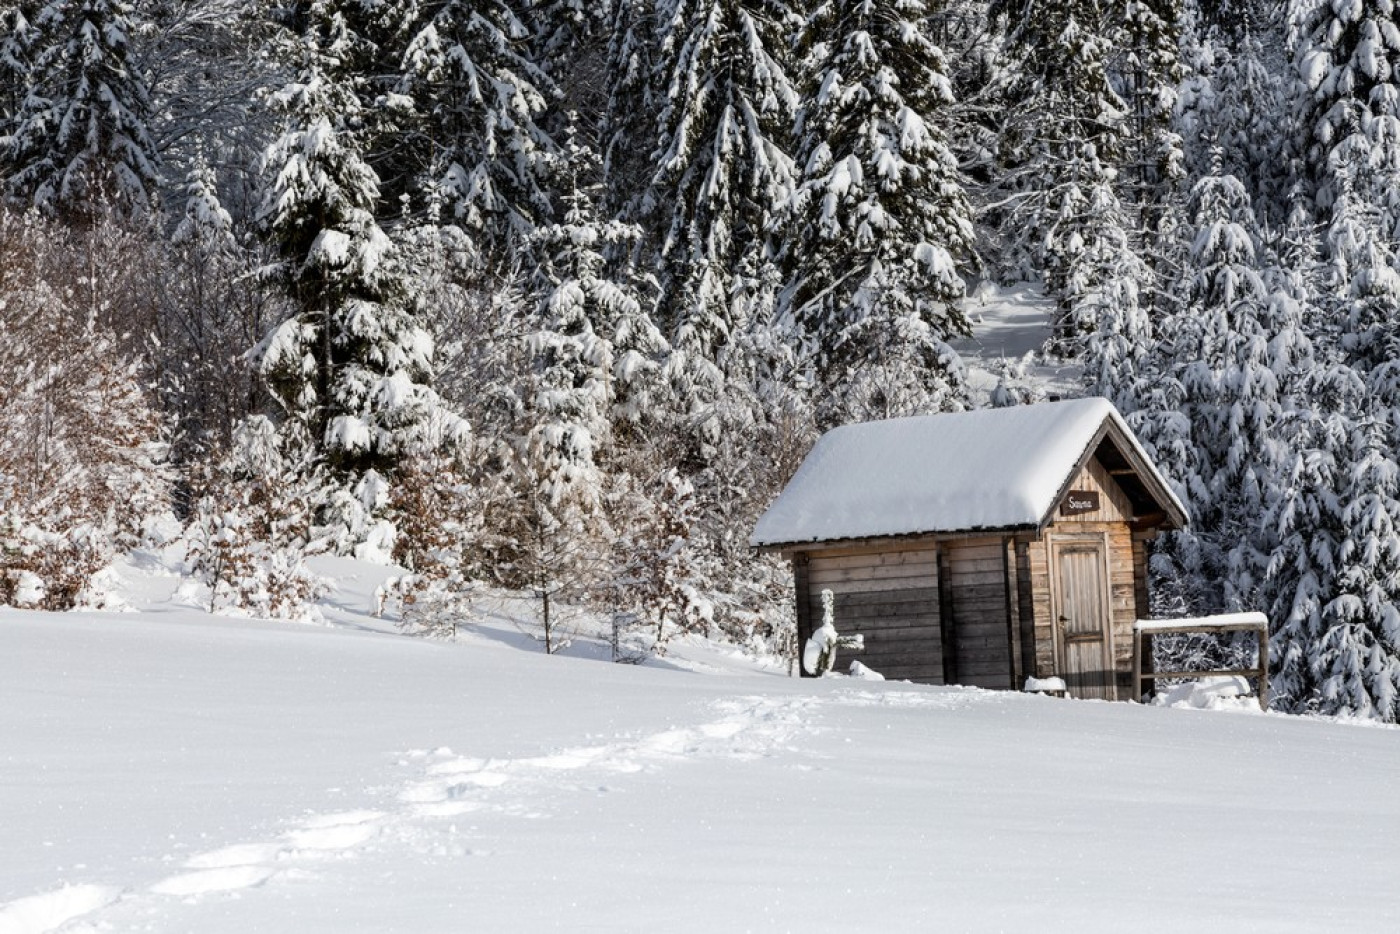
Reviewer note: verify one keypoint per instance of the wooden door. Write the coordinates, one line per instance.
(1082, 618)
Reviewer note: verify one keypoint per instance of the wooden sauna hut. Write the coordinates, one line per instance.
(979, 548)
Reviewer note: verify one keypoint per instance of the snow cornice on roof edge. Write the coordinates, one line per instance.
(979, 471)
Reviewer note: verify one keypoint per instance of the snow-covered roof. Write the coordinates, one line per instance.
(956, 472)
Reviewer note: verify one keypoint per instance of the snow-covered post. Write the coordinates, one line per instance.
(819, 654)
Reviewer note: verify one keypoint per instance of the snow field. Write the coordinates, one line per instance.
(168, 771)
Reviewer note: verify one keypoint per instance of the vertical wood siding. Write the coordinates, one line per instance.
(1114, 505)
(1127, 580)
(1123, 597)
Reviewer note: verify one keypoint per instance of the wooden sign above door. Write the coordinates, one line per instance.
(1077, 502)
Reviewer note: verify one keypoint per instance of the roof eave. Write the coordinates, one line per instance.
(822, 544)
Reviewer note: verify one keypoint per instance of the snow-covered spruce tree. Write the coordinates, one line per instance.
(1306, 518)
(478, 142)
(1235, 115)
(80, 136)
(720, 171)
(1219, 387)
(627, 132)
(569, 40)
(1347, 54)
(16, 35)
(572, 383)
(1108, 315)
(1356, 663)
(1335, 573)
(1063, 133)
(872, 240)
(1149, 71)
(592, 355)
(82, 474)
(350, 368)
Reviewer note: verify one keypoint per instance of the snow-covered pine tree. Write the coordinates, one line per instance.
(350, 368)
(1347, 54)
(576, 383)
(627, 128)
(1356, 662)
(1306, 519)
(591, 357)
(478, 144)
(875, 237)
(569, 40)
(16, 36)
(595, 310)
(1355, 656)
(1149, 71)
(1221, 383)
(1234, 113)
(720, 171)
(79, 137)
(1335, 573)
(1108, 300)
(1064, 129)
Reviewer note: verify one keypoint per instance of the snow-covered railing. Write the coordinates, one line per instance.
(1258, 623)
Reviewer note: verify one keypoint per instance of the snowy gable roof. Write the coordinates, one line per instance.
(965, 471)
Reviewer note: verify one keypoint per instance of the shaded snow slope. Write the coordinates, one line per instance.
(164, 770)
(1010, 325)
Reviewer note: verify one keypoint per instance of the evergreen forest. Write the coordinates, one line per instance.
(554, 295)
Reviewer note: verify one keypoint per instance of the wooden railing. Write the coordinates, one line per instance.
(1257, 623)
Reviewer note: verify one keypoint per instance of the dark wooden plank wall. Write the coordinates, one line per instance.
(1140, 540)
(1025, 595)
(890, 598)
(977, 588)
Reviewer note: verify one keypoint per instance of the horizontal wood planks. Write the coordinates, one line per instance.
(891, 599)
(977, 590)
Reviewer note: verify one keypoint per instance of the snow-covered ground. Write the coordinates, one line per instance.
(1010, 325)
(165, 770)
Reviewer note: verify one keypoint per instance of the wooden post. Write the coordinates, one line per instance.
(1263, 662)
(1137, 665)
(948, 635)
(802, 588)
(1013, 629)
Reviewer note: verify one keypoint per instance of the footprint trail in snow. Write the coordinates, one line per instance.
(448, 785)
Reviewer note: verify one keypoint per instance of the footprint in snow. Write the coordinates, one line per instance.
(241, 854)
(331, 832)
(207, 881)
(49, 911)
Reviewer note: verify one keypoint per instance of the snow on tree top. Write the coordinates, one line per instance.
(984, 469)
